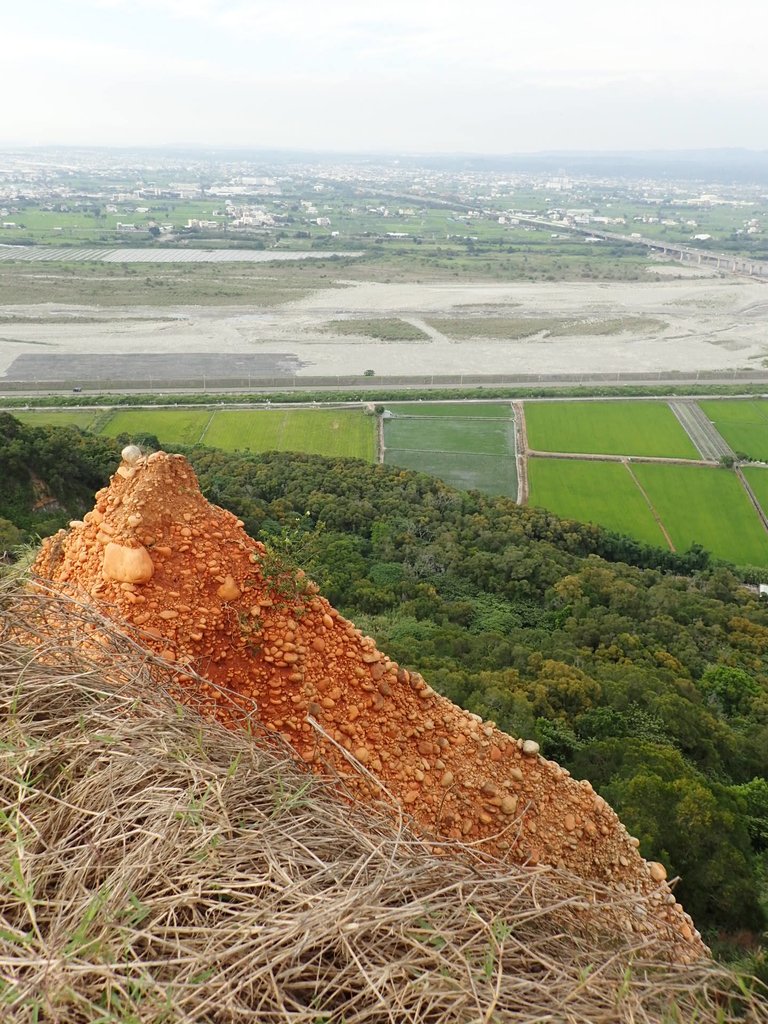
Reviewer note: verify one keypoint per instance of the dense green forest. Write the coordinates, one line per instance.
(642, 670)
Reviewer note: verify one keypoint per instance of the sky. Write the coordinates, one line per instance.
(470, 76)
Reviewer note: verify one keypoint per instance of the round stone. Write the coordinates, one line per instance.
(658, 871)
(131, 454)
(127, 565)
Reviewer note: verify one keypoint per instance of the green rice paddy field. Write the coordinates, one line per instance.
(708, 507)
(593, 492)
(170, 426)
(472, 445)
(58, 418)
(743, 423)
(696, 504)
(468, 445)
(446, 434)
(491, 474)
(335, 432)
(318, 431)
(607, 428)
(471, 410)
(757, 479)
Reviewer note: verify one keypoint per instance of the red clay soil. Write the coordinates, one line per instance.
(156, 555)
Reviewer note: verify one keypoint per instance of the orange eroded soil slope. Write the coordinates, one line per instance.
(155, 555)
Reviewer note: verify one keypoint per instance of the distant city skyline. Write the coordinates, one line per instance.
(418, 76)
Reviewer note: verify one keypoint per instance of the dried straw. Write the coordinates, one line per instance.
(156, 867)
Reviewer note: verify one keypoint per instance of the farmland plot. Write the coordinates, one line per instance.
(446, 434)
(170, 426)
(706, 506)
(58, 418)
(492, 474)
(449, 441)
(743, 423)
(757, 478)
(607, 428)
(346, 433)
(471, 410)
(317, 431)
(593, 492)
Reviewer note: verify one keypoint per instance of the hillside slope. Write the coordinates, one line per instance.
(161, 868)
(252, 642)
(651, 683)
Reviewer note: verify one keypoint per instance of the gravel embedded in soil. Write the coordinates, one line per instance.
(157, 556)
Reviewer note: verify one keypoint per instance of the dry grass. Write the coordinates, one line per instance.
(158, 868)
(513, 328)
(381, 328)
(162, 285)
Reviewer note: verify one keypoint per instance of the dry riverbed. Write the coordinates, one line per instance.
(704, 323)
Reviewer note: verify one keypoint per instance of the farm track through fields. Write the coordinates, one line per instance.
(589, 457)
(702, 432)
(651, 506)
(521, 452)
(752, 497)
(201, 439)
(380, 447)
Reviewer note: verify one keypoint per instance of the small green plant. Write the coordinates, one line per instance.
(293, 545)
(287, 799)
(286, 582)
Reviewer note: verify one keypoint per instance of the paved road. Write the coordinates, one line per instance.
(359, 387)
(701, 430)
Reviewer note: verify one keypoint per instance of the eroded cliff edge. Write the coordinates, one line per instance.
(250, 641)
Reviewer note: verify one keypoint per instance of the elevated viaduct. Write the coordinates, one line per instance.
(728, 262)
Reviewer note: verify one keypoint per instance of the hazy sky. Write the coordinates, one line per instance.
(495, 76)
